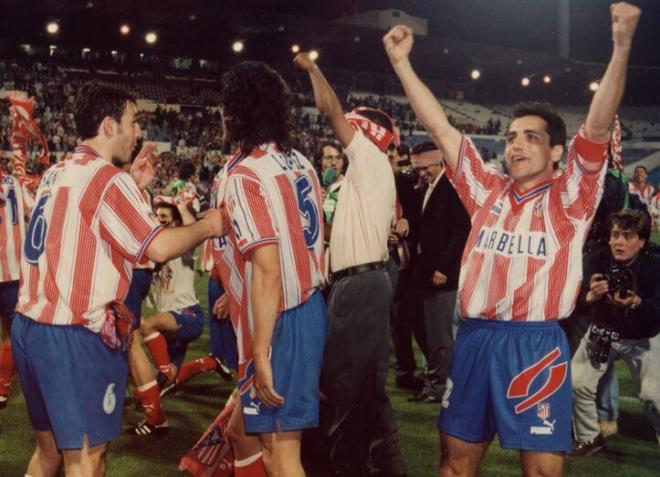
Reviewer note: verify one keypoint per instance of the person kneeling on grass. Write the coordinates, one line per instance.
(179, 321)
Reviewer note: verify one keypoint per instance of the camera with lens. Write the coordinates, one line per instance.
(602, 339)
(620, 279)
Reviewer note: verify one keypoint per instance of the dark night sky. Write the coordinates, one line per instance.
(525, 24)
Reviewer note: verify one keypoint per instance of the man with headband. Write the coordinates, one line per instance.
(362, 426)
(439, 238)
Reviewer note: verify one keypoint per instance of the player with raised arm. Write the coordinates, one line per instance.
(520, 270)
(90, 225)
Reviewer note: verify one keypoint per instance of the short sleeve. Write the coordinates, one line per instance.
(473, 180)
(581, 188)
(126, 220)
(250, 213)
(367, 163)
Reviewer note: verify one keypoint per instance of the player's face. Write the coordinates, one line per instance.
(164, 216)
(127, 133)
(625, 244)
(430, 173)
(529, 157)
(330, 157)
(640, 175)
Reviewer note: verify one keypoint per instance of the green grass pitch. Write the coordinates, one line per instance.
(634, 452)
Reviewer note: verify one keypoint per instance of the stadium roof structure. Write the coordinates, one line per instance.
(504, 39)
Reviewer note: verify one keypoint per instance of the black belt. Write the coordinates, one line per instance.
(364, 268)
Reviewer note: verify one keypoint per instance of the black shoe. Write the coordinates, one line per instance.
(223, 371)
(583, 449)
(3, 401)
(409, 382)
(163, 380)
(168, 387)
(145, 429)
(432, 399)
(419, 397)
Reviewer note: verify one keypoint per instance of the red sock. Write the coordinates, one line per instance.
(190, 369)
(158, 349)
(6, 367)
(150, 400)
(251, 467)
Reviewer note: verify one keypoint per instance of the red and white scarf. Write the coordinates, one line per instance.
(376, 133)
(25, 130)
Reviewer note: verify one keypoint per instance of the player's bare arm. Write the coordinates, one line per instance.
(610, 91)
(265, 297)
(326, 99)
(174, 242)
(398, 43)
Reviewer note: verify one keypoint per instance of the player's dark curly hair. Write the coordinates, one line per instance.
(555, 125)
(96, 101)
(256, 104)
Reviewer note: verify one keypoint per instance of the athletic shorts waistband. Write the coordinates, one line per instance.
(509, 325)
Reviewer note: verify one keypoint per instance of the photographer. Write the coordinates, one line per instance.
(622, 290)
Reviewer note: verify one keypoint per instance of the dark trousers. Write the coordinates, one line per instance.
(439, 316)
(408, 321)
(362, 428)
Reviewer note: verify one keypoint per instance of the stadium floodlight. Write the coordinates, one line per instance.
(475, 74)
(86, 50)
(52, 28)
(124, 29)
(295, 48)
(525, 81)
(114, 52)
(547, 79)
(237, 46)
(593, 86)
(151, 37)
(313, 55)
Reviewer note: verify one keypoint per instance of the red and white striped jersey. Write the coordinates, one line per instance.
(645, 192)
(90, 225)
(655, 202)
(270, 197)
(18, 202)
(523, 258)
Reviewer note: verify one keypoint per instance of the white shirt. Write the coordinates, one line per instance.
(174, 285)
(429, 189)
(365, 207)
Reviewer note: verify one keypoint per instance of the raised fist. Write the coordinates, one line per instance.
(304, 62)
(624, 22)
(398, 42)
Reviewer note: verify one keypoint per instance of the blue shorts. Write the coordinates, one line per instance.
(513, 379)
(191, 325)
(8, 298)
(296, 358)
(223, 338)
(73, 384)
(137, 292)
